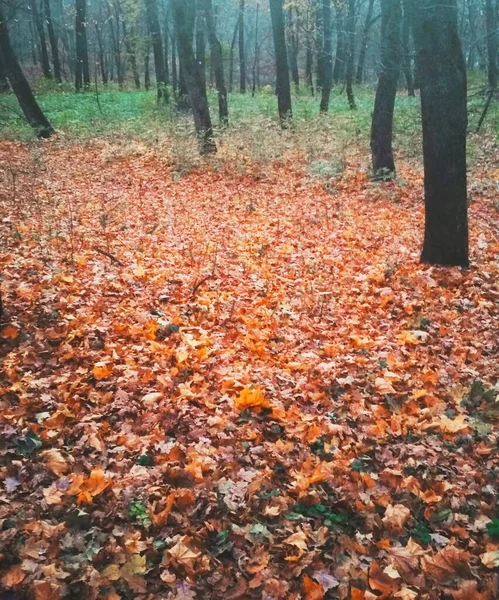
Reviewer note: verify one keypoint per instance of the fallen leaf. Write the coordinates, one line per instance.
(312, 589)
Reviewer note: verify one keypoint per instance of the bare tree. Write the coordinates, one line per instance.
(281, 58)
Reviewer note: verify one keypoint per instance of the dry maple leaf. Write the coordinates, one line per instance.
(298, 539)
(383, 386)
(251, 397)
(490, 559)
(56, 462)
(381, 581)
(13, 577)
(45, 590)
(312, 589)
(182, 554)
(102, 370)
(396, 516)
(453, 425)
(468, 590)
(446, 564)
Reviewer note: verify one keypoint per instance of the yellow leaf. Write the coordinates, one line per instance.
(139, 271)
(181, 355)
(453, 425)
(490, 559)
(251, 397)
(111, 572)
(298, 539)
(135, 566)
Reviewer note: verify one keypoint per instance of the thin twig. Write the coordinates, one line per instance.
(110, 256)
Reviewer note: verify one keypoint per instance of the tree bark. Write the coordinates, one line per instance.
(4, 82)
(200, 38)
(102, 56)
(218, 66)
(44, 55)
(157, 48)
(82, 71)
(20, 85)
(443, 100)
(491, 21)
(174, 64)
(281, 58)
(407, 63)
(53, 42)
(341, 44)
(256, 57)
(327, 56)
(363, 45)
(231, 55)
(293, 47)
(384, 104)
(351, 53)
(319, 45)
(129, 38)
(193, 78)
(147, 70)
(242, 50)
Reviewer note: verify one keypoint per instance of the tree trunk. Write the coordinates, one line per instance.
(341, 45)
(256, 57)
(217, 61)
(20, 85)
(351, 53)
(490, 18)
(201, 40)
(115, 42)
(165, 59)
(293, 48)
(174, 64)
(242, 50)
(443, 100)
(147, 71)
(231, 55)
(129, 38)
(157, 48)
(363, 45)
(384, 104)
(327, 56)
(53, 42)
(407, 63)
(281, 59)
(4, 82)
(193, 78)
(102, 56)
(44, 55)
(82, 71)
(319, 45)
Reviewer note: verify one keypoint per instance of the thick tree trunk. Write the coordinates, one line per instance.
(363, 45)
(443, 99)
(44, 55)
(157, 48)
(319, 45)
(82, 70)
(242, 50)
(384, 104)
(341, 45)
(217, 61)
(327, 56)
(407, 63)
(492, 36)
(350, 53)
(4, 82)
(193, 78)
(281, 58)
(53, 42)
(20, 85)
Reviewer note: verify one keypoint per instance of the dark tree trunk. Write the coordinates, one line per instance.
(407, 63)
(327, 56)
(157, 48)
(102, 55)
(115, 42)
(351, 53)
(183, 96)
(363, 44)
(194, 80)
(82, 71)
(217, 61)
(147, 72)
(129, 38)
(341, 45)
(242, 50)
(44, 55)
(20, 85)
(165, 61)
(256, 57)
(174, 64)
(443, 100)
(490, 18)
(384, 104)
(231, 55)
(53, 42)
(319, 45)
(4, 82)
(281, 59)
(293, 48)
(201, 39)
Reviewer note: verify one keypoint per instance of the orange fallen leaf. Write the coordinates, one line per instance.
(45, 590)
(10, 332)
(312, 589)
(251, 397)
(101, 370)
(13, 577)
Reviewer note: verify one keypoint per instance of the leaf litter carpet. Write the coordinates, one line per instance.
(230, 385)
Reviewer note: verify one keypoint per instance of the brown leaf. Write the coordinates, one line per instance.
(446, 564)
(56, 462)
(13, 577)
(312, 589)
(45, 590)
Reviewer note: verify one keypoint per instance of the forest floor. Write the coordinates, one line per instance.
(240, 382)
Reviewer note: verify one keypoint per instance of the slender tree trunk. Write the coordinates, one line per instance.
(102, 55)
(443, 100)
(217, 61)
(231, 55)
(82, 70)
(115, 42)
(157, 48)
(129, 38)
(281, 58)
(242, 49)
(327, 56)
(384, 104)
(193, 78)
(32, 35)
(293, 47)
(20, 85)
(201, 38)
(44, 55)
(407, 63)
(165, 60)
(363, 45)
(174, 64)
(351, 53)
(147, 71)
(492, 36)
(256, 57)
(319, 45)
(53, 42)
(341, 45)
